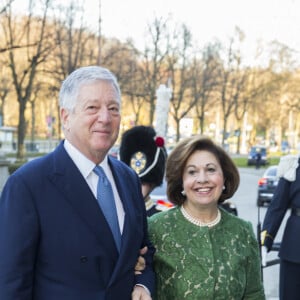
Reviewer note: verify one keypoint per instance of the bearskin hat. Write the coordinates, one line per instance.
(144, 151)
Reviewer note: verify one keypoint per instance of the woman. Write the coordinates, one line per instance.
(203, 252)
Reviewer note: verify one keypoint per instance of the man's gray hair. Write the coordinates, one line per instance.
(85, 75)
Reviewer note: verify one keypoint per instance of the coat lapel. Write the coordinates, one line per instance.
(123, 187)
(76, 191)
(130, 224)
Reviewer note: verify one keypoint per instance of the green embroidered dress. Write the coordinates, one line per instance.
(217, 263)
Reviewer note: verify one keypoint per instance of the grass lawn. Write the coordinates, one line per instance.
(242, 162)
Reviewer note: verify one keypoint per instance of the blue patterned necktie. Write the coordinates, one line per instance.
(106, 201)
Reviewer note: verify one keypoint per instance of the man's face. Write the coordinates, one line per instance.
(93, 126)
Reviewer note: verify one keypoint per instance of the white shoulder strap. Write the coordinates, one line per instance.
(287, 167)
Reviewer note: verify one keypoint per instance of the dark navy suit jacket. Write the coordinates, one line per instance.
(286, 195)
(54, 241)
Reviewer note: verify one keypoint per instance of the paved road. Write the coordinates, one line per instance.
(245, 200)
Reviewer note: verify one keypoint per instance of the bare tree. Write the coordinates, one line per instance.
(36, 89)
(205, 80)
(230, 81)
(99, 33)
(8, 47)
(32, 30)
(179, 70)
(3, 9)
(132, 86)
(5, 89)
(154, 61)
(72, 40)
(275, 90)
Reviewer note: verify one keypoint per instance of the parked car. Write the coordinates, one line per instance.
(159, 196)
(267, 185)
(254, 152)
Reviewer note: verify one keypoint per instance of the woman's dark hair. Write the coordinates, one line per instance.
(177, 160)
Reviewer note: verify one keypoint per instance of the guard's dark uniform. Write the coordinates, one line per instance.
(151, 207)
(287, 195)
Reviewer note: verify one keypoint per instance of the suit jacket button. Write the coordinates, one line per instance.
(83, 259)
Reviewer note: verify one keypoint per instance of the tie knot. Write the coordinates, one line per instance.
(100, 172)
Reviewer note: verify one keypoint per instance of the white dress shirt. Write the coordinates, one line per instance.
(86, 167)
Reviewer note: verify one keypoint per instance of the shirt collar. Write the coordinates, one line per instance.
(84, 165)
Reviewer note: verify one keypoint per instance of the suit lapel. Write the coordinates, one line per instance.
(129, 229)
(123, 190)
(76, 191)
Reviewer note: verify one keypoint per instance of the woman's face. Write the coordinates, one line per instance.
(203, 179)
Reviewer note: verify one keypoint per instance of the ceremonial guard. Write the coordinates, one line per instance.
(286, 196)
(145, 152)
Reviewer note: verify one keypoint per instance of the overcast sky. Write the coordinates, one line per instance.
(264, 20)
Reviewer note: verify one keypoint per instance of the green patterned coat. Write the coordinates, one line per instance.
(217, 263)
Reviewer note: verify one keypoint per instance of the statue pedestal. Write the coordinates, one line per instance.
(163, 95)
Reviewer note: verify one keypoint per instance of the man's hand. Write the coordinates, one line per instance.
(140, 293)
(141, 263)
